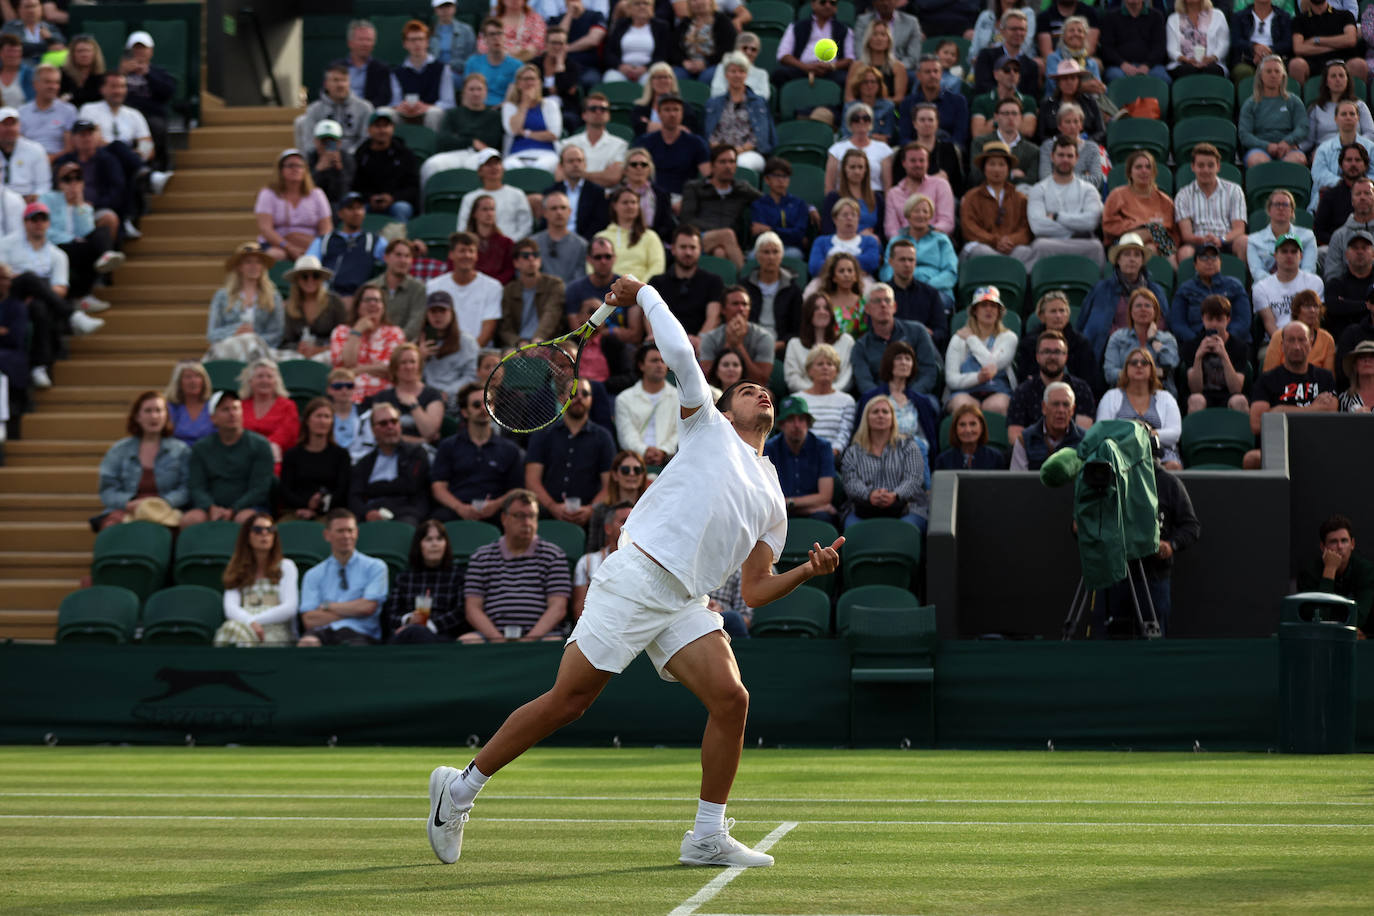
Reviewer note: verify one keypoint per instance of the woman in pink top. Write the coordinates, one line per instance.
(291, 211)
(525, 30)
(366, 343)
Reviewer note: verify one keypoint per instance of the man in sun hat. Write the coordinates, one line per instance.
(994, 214)
(805, 462)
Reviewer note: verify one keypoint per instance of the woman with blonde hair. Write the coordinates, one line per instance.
(366, 342)
(1273, 122)
(866, 86)
(655, 204)
(188, 398)
(1139, 395)
(1140, 206)
(291, 211)
(246, 317)
(83, 71)
(660, 80)
(978, 360)
(831, 409)
(312, 309)
(421, 406)
(875, 52)
(261, 589)
(268, 409)
(533, 122)
(883, 472)
(1197, 38)
(638, 249)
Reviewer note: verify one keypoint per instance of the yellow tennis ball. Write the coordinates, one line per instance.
(826, 49)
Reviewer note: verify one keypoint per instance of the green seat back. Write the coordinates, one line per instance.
(183, 615)
(1203, 95)
(1263, 179)
(1005, 273)
(801, 534)
(1220, 132)
(570, 538)
(303, 543)
(892, 639)
(886, 596)
(134, 555)
(445, 190)
(806, 132)
(1074, 274)
(433, 229)
(1127, 134)
(803, 95)
(99, 614)
(1217, 436)
(620, 94)
(202, 552)
(881, 551)
(224, 373)
(749, 177)
(464, 537)
(531, 181)
(1126, 89)
(170, 35)
(808, 183)
(721, 267)
(422, 141)
(304, 377)
(388, 541)
(805, 612)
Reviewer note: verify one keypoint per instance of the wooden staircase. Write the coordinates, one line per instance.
(50, 483)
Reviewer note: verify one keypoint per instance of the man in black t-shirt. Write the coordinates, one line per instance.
(1325, 33)
(1216, 361)
(693, 295)
(1292, 387)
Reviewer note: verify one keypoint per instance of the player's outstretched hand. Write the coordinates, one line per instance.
(824, 560)
(624, 292)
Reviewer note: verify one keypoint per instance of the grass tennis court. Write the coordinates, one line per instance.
(574, 831)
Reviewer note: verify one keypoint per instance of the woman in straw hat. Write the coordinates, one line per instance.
(1067, 81)
(246, 315)
(1359, 368)
(978, 359)
(1098, 316)
(313, 310)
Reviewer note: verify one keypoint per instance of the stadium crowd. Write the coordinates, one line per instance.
(867, 299)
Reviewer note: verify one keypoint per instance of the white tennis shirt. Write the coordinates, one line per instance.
(718, 497)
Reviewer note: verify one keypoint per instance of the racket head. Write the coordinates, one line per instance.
(531, 388)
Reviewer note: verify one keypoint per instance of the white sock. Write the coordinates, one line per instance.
(710, 819)
(465, 788)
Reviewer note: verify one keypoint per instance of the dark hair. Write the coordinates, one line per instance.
(637, 227)
(1051, 334)
(902, 242)
(104, 77)
(239, 572)
(714, 377)
(519, 495)
(807, 332)
(1215, 307)
(727, 397)
(1204, 149)
(336, 67)
(735, 288)
(894, 350)
(1065, 140)
(642, 354)
(1012, 100)
(720, 149)
(1364, 153)
(527, 244)
(462, 238)
(472, 219)
(776, 165)
(492, 21)
(954, 424)
(685, 229)
(1335, 523)
(336, 514)
(132, 426)
(417, 557)
(313, 405)
(9, 38)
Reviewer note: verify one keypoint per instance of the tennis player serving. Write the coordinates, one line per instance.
(716, 507)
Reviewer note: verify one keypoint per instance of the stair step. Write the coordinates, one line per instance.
(25, 453)
(47, 535)
(61, 478)
(146, 373)
(30, 626)
(245, 179)
(165, 319)
(43, 564)
(94, 424)
(264, 156)
(249, 116)
(235, 221)
(195, 201)
(212, 240)
(242, 136)
(178, 293)
(42, 594)
(185, 269)
(173, 346)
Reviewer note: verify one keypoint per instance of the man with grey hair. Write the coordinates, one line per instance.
(563, 252)
(368, 77)
(903, 27)
(748, 44)
(884, 327)
(1064, 210)
(1053, 431)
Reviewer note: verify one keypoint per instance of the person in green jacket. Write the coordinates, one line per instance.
(1273, 121)
(231, 471)
(1339, 571)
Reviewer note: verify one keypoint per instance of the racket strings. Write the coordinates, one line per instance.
(530, 388)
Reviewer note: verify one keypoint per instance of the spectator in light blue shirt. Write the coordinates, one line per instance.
(47, 120)
(341, 598)
(496, 65)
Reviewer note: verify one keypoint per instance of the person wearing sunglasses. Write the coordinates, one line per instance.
(1140, 395)
(604, 151)
(349, 430)
(629, 479)
(260, 590)
(532, 303)
(86, 236)
(392, 480)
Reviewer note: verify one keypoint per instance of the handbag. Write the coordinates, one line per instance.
(1146, 107)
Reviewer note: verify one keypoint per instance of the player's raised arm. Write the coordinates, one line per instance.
(671, 337)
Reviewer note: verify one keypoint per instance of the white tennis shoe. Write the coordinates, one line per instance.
(445, 824)
(721, 849)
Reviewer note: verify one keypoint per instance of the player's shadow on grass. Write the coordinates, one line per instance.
(292, 886)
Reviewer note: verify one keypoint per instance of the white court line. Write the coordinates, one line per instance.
(673, 799)
(608, 820)
(717, 884)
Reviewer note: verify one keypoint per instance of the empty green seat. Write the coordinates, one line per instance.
(1127, 134)
(570, 538)
(1188, 133)
(1005, 273)
(870, 596)
(433, 229)
(1263, 179)
(184, 615)
(202, 552)
(1203, 95)
(808, 183)
(464, 537)
(801, 96)
(1216, 436)
(1074, 274)
(444, 190)
(303, 543)
(134, 555)
(721, 267)
(881, 551)
(224, 373)
(304, 378)
(801, 534)
(388, 541)
(99, 614)
(422, 141)
(804, 612)
(892, 675)
(531, 181)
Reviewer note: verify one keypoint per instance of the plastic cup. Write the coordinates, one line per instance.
(572, 503)
(513, 631)
(423, 605)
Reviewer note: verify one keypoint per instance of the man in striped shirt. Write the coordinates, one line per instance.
(1210, 208)
(518, 587)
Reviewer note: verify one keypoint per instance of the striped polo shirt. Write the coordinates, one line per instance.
(515, 587)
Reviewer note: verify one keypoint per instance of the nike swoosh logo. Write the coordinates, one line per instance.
(437, 822)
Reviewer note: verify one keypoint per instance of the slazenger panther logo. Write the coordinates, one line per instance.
(179, 681)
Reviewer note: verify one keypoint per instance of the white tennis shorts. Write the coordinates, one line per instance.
(634, 605)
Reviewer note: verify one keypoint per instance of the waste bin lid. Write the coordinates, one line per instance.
(1317, 608)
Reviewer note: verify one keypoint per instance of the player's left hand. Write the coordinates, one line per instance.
(824, 560)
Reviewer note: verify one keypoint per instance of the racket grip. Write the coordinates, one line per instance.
(601, 314)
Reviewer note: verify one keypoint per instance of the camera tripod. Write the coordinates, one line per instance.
(1083, 597)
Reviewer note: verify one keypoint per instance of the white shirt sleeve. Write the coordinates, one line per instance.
(676, 348)
(288, 595)
(59, 267)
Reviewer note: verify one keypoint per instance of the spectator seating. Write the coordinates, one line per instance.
(1074, 274)
(388, 541)
(134, 556)
(1183, 175)
(570, 538)
(422, 141)
(304, 379)
(224, 373)
(892, 674)
(749, 176)
(805, 612)
(844, 12)
(1313, 85)
(531, 181)
(997, 430)
(804, 142)
(1004, 272)
(1260, 218)
(1189, 132)
(796, 265)
(444, 190)
(100, 614)
(1126, 89)
(931, 44)
(801, 534)
(183, 615)
(202, 552)
(881, 551)
(1164, 179)
(1231, 265)
(881, 596)
(1217, 437)
(808, 182)
(721, 267)
(1127, 134)
(800, 97)
(464, 537)
(433, 228)
(1205, 95)
(303, 543)
(175, 29)
(771, 17)
(1263, 179)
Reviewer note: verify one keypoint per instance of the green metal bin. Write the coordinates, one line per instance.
(1317, 674)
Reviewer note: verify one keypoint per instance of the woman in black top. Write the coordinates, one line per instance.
(314, 474)
(83, 72)
(434, 575)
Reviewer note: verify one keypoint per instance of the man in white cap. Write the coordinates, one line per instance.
(46, 119)
(513, 215)
(150, 90)
(336, 103)
(331, 165)
(24, 165)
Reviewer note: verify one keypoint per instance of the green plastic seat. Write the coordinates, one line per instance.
(570, 538)
(721, 267)
(1220, 132)
(806, 133)
(892, 644)
(1074, 274)
(805, 612)
(388, 541)
(134, 555)
(801, 534)
(444, 191)
(881, 551)
(531, 181)
(1260, 218)
(183, 615)
(749, 176)
(464, 537)
(1127, 134)
(1126, 89)
(224, 373)
(433, 228)
(886, 596)
(422, 141)
(104, 614)
(844, 12)
(620, 94)
(694, 93)
(304, 378)
(1005, 273)
(376, 223)
(1231, 265)
(808, 183)
(303, 543)
(623, 131)
(1216, 436)
(803, 95)
(768, 51)
(202, 552)
(1263, 179)
(1203, 95)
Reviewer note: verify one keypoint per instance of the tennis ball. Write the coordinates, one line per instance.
(826, 49)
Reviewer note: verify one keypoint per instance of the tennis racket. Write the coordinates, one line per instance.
(530, 388)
